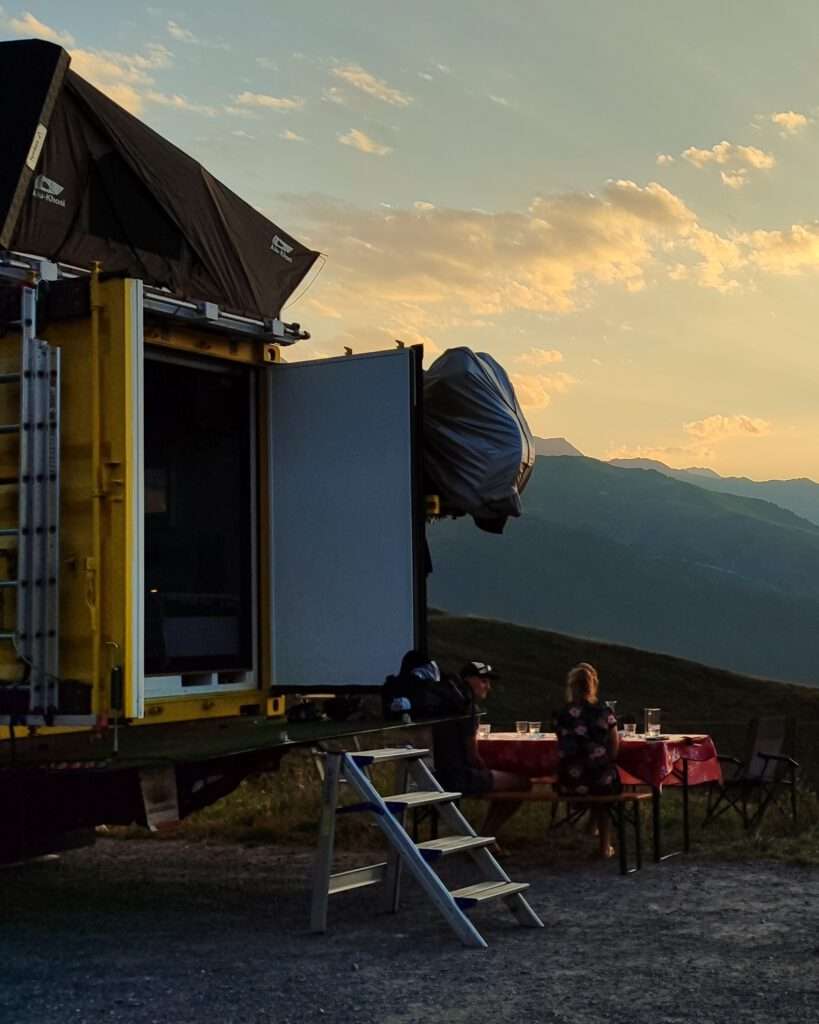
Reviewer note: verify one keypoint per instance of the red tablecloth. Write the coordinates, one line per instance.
(640, 762)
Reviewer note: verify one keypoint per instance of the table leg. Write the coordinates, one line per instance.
(656, 795)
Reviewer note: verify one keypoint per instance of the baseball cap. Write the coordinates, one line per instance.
(478, 668)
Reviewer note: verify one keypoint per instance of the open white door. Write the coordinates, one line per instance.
(346, 561)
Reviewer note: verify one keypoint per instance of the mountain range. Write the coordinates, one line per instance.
(800, 495)
(644, 559)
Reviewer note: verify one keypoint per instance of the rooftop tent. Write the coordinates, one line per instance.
(82, 180)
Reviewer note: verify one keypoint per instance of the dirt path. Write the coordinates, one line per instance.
(176, 933)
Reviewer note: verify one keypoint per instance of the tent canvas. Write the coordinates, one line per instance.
(84, 181)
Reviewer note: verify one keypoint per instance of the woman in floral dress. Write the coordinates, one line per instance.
(588, 742)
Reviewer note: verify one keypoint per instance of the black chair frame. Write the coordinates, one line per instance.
(751, 794)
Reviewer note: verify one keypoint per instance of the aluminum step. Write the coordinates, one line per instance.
(366, 757)
(357, 878)
(434, 849)
(419, 798)
(472, 895)
(9, 428)
(9, 378)
(7, 584)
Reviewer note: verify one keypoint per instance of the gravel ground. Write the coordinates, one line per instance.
(178, 933)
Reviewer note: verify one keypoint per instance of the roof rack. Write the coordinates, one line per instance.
(160, 303)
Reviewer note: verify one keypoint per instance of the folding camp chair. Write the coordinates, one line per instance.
(764, 776)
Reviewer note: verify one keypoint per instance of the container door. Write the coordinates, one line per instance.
(347, 542)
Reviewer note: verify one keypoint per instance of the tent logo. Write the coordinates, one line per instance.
(49, 190)
(281, 248)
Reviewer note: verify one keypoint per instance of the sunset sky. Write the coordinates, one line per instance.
(618, 201)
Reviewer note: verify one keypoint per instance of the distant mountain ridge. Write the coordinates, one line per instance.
(800, 495)
(646, 560)
(555, 446)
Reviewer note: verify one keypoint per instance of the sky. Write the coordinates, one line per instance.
(620, 202)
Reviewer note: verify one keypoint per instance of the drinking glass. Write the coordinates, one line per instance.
(652, 716)
(612, 706)
(630, 728)
(534, 728)
(484, 729)
(521, 728)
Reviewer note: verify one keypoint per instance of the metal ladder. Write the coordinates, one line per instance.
(418, 858)
(36, 632)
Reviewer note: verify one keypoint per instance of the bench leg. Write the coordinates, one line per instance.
(655, 823)
(638, 835)
(619, 814)
(686, 820)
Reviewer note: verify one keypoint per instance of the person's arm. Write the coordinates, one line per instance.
(614, 740)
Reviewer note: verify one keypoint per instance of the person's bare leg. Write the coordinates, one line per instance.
(605, 848)
(500, 811)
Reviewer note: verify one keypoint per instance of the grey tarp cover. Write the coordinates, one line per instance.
(104, 187)
(478, 450)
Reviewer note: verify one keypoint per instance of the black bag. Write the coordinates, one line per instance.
(430, 694)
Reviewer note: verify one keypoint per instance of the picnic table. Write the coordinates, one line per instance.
(674, 760)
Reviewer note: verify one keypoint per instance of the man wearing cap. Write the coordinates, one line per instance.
(458, 765)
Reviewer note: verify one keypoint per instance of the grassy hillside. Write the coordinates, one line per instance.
(641, 559)
(533, 665)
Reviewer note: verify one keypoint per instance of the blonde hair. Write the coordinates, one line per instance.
(582, 683)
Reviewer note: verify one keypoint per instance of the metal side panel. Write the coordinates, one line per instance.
(343, 497)
(134, 658)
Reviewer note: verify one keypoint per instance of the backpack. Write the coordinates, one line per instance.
(430, 694)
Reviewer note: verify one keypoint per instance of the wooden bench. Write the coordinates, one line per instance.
(542, 792)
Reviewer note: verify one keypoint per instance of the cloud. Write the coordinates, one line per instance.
(705, 437)
(240, 133)
(289, 136)
(664, 159)
(535, 390)
(267, 63)
(362, 142)
(438, 269)
(244, 112)
(786, 253)
(427, 77)
(461, 264)
(129, 78)
(355, 75)
(180, 103)
(501, 102)
(539, 357)
(334, 95)
(421, 204)
(261, 101)
(735, 179)
(790, 122)
(719, 260)
(27, 25)
(184, 35)
(729, 153)
(125, 77)
(723, 428)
